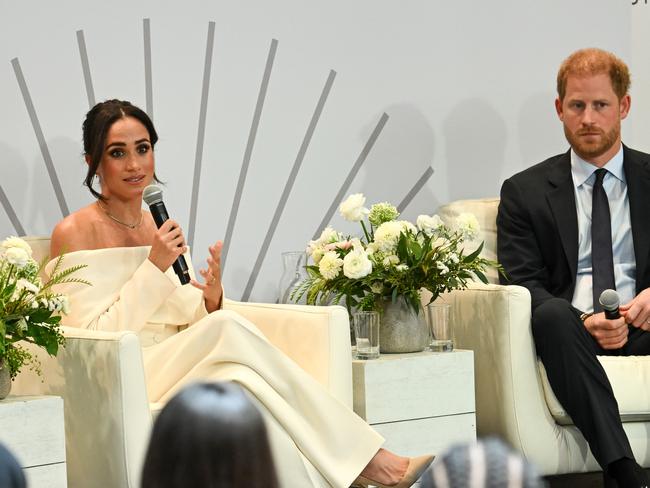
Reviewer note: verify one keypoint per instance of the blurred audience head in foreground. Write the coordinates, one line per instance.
(489, 463)
(209, 435)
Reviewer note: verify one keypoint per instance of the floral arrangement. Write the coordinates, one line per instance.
(29, 309)
(393, 258)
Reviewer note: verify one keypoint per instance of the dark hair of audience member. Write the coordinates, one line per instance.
(209, 435)
(11, 476)
(95, 128)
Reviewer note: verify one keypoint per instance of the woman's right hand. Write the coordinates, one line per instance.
(168, 243)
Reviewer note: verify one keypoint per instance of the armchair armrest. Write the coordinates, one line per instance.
(316, 338)
(100, 377)
(494, 321)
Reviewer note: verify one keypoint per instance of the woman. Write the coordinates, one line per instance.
(317, 441)
(218, 439)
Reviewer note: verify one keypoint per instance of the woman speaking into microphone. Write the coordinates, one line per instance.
(186, 336)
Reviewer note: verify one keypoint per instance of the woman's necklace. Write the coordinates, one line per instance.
(125, 224)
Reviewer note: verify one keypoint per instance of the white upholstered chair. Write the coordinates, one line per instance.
(513, 397)
(101, 378)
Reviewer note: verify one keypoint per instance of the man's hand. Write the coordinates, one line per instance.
(637, 311)
(610, 334)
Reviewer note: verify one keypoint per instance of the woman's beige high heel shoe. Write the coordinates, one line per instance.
(417, 466)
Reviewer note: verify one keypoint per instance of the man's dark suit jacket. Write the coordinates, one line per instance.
(537, 226)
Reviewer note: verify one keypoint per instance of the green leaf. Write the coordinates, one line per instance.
(471, 257)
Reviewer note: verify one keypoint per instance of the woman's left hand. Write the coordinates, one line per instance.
(212, 290)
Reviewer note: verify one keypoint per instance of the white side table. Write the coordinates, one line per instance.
(32, 428)
(420, 402)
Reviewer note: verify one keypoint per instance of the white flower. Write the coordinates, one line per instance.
(387, 235)
(15, 242)
(428, 223)
(401, 267)
(23, 284)
(468, 225)
(442, 267)
(390, 260)
(453, 257)
(317, 254)
(17, 256)
(407, 226)
(330, 265)
(377, 287)
(356, 264)
(328, 235)
(65, 304)
(352, 208)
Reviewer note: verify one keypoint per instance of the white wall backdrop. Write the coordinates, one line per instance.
(468, 89)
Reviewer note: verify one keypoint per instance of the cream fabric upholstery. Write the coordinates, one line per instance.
(513, 397)
(103, 372)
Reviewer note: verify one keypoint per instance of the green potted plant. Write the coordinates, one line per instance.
(29, 309)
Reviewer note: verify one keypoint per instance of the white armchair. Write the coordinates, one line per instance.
(100, 376)
(513, 397)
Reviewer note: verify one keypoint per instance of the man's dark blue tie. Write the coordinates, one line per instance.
(602, 261)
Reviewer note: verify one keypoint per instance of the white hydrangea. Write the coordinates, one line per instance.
(15, 242)
(330, 265)
(17, 256)
(428, 223)
(387, 235)
(468, 225)
(356, 264)
(352, 208)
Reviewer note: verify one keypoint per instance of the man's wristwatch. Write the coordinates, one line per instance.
(584, 316)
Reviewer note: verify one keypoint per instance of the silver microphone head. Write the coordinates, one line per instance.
(152, 194)
(609, 300)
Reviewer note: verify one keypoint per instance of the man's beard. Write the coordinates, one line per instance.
(590, 150)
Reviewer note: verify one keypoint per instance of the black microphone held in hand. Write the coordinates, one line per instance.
(152, 196)
(609, 301)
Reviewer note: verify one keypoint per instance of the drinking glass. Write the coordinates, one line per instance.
(439, 327)
(366, 330)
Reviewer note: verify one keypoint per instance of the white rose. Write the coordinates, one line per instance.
(330, 265)
(387, 235)
(468, 224)
(352, 208)
(16, 242)
(356, 264)
(16, 256)
(428, 223)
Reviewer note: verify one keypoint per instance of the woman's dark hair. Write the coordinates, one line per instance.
(209, 435)
(11, 476)
(98, 121)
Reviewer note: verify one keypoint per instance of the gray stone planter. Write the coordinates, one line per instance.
(401, 329)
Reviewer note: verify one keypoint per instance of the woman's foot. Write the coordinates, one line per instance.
(386, 468)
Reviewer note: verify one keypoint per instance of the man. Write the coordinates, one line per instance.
(547, 243)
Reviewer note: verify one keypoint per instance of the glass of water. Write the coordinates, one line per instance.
(439, 327)
(366, 330)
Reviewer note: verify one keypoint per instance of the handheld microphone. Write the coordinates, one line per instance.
(152, 196)
(609, 301)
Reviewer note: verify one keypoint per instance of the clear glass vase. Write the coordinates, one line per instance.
(293, 272)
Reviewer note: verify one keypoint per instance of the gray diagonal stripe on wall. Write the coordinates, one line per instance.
(288, 186)
(29, 105)
(85, 66)
(353, 172)
(416, 188)
(257, 114)
(13, 218)
(148, 81)
(200, 138)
